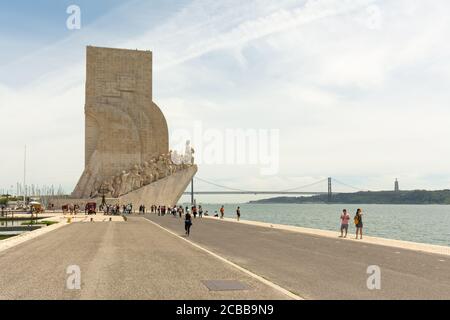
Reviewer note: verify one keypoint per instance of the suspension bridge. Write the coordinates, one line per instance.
(299, 190)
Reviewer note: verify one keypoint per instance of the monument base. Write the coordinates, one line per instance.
(164, 192)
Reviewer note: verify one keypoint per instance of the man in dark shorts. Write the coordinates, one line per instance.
(358, 223)
(187, 222)
(238, 213)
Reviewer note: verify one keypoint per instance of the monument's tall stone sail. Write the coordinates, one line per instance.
(126, 134)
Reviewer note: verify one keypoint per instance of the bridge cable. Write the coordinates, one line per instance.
(304, 186)
(347, 185)
(218, 185)
(249, 191)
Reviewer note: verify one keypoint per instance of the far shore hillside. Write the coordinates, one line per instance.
(369, 197)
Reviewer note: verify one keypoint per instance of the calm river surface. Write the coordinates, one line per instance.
(417, 223)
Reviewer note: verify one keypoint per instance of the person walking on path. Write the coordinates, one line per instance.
(358, 223)
(187, 222)
(238, 213)
(200, 211)
(345, 218)
(222, 212)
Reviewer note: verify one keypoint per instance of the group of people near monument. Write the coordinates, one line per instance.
(143, 174)
(116, 209)
(357, 220)
(189, 213)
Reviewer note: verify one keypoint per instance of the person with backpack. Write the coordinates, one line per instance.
(358, 223)
(345, 218)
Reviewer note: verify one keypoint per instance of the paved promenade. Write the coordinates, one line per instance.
(149, 258)
(118, 260)
(318, 267)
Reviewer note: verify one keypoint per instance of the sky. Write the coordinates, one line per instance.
(356, 90)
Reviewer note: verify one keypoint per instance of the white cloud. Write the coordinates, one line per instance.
(357, 88)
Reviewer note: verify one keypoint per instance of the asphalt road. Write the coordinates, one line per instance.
(118, 260)
(316, 267)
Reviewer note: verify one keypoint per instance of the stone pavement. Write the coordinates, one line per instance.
(126, 260)
(62, 219)
(321, 267)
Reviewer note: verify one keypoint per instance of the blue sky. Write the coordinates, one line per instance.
(33, 24)
(357, 89)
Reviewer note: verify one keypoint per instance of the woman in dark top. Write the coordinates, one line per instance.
(358, 223)
(187, 223)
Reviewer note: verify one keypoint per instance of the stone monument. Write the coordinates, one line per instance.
(127, 155)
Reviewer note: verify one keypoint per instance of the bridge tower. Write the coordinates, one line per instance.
(330, 192)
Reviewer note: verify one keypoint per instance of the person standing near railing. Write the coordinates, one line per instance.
(358, 223)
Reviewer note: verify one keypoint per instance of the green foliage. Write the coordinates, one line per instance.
(6, 236)
(32, 222)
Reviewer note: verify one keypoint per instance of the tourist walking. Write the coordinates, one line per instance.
(187, 222)
(200, 211)
(238, 213)
(222, 212)
(345, 218)
(358, 223)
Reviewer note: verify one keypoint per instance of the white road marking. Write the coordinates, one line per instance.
(253, 275)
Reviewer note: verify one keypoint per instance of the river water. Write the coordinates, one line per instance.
(417, 223)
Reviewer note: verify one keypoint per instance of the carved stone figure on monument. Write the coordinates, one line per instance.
(192, 156)
(170, 154)
(135, 178)
(176, 158)
(161, 166)
(107, 188)
(125, 185)
(169, 164)
(147, 173)
(96, 189)
(117, 183)
(187, 152)
(155, 171)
